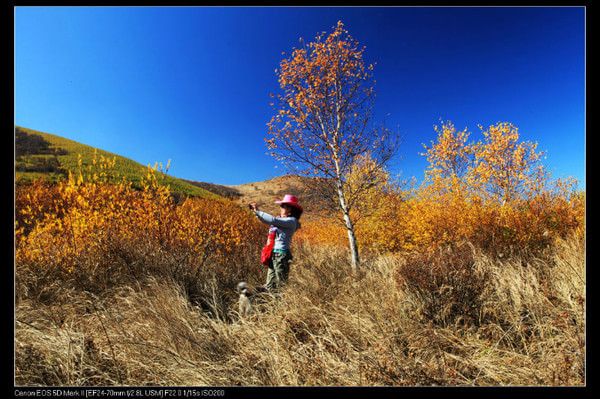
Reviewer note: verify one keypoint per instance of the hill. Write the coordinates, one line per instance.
(265, 193)
(223, 191)
(50, 157)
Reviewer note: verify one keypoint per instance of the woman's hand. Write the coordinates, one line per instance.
(253, 206)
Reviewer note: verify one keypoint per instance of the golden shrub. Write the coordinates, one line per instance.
(59, 225)
(470, 195)
(323, 231)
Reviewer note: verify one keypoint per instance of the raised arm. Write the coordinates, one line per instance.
(277, 222)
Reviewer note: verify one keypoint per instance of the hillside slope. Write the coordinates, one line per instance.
(50, 157)
(265, 193)
(223, 191)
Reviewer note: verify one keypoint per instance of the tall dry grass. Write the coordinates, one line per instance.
(463, 319)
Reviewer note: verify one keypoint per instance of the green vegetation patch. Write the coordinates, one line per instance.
(50, 157)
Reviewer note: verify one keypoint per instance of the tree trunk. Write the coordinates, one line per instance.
(353, 243)
(350, 228)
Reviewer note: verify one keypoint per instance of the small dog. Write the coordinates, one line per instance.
(247, 297)
(244, 303)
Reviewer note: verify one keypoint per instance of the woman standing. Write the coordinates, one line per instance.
(284, 227)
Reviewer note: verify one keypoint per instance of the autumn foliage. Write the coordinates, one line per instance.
(323, 122)
(474, 277)
(90, 228)
(324, 105)
(494, 193)
(448, 275)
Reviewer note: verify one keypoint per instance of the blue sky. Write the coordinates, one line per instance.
(192, 84)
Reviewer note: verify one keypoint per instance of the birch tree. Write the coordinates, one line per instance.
(323, 120)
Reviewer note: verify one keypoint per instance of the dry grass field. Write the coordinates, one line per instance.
(481, 322)
(119, 284)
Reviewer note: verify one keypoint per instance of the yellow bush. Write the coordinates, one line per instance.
(58, 225)
(470, 195)
(323, 231)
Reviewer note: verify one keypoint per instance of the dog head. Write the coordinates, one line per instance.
(242, 288)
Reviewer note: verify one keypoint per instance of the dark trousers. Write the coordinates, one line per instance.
(279, 269)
